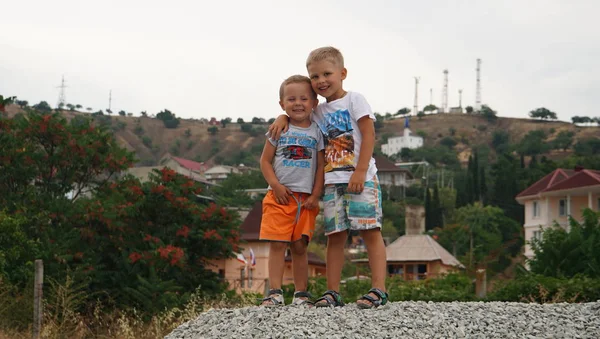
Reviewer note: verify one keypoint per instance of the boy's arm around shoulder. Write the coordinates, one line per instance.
(278, 127)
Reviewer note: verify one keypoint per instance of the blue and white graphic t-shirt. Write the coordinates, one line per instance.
(338, 121)
(295, 161)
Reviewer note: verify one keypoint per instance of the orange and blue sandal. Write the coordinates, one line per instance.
(382, 299)
(330, 299)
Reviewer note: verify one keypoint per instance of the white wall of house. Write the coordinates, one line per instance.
(545, 211)
(392, 178)
(396, 144)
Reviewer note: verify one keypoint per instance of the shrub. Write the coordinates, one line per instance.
(541, 289)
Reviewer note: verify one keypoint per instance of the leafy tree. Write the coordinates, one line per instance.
(240, 121)
(402, 111)
(488, 113)
(587, 147)
(258, 121)
(420, 115)
(506, 173)
(246, 128)
(89, 109)
(5, 102)
(42, 106)
(563, 254)
(109, 111)
(500, 141)
(168, 118)
(533, 143)
(405, 153)
(469, 109)
(213, 130)
(71, 107)
(22, 103)
(379, 121)
(430, 108)
(438, 218)
(78, 106)
(563, 140)
(448, 142)
(122, 113)
(429, 213)
(144, 113)
(230, 191)
(543, 113)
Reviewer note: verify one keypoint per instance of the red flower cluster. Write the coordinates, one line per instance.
(134, 256)
(167, 174)
(175, 253)
(183, 231)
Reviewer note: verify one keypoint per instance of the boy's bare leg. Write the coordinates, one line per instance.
(377, 259)
(276, 264)
(335, 259)
(300, 264)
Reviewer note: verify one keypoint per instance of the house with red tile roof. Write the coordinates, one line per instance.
(555, 197)
(248, 277)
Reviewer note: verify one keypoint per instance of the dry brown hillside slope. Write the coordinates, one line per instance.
(472, 130)
(475, 130)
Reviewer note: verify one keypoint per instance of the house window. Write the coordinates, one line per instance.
(562, 207)
(536, 209)
(537, 235)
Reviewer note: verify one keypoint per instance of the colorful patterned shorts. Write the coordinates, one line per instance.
(350, 211)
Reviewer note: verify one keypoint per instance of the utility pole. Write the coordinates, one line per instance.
(478, 87)
(445, 93)
(431, 96)
(416, 105)
(62, 100)
(460, 98)
(110, 100)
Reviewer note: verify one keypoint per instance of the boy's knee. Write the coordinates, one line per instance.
(337, 238)
(278, 246)
(298, 247)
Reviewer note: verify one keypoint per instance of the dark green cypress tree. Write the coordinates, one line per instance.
(469, 182)
(476, 188)
(438, 220)
(483, 186)
(428, 211)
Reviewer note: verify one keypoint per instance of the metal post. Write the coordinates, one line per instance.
(38, 311)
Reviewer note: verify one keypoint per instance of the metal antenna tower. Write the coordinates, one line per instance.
(460, 98)
(416, 106)
(431, 96)
(478, 87)
(445, 93)
(62, 100)
(110, 100)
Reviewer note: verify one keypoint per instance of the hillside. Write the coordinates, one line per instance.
(150, 140)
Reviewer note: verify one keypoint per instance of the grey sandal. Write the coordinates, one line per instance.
(275, 298)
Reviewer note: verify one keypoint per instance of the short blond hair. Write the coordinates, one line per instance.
(326, 53)
(296, 79)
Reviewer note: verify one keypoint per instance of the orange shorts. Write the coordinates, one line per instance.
(283, 222)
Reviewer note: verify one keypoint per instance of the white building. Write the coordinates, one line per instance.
(396, 144)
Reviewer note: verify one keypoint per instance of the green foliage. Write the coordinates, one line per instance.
(563, 140)
(394, 212)
(542, 113)
(230, 193)
(402, 111)
(122, 113)
(430, 108)
(469, 109)
(379, 121)
(488, 113)
(533, 143)
(587, 147)
(168, 118)
(448, 142)
(213, 130)
(451, 287)
(541, 289)
(565, 254)
(147, 141)
(17, 251)
(436, 155)
(240, 120)
(501, 141)
(188, 133)
(43, 107)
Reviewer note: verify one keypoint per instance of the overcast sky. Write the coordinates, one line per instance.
(228, 58)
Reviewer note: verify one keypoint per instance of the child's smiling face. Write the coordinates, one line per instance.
(326, 78)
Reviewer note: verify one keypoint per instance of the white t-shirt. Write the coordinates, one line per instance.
(338, 121)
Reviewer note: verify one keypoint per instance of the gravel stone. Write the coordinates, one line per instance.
(400, 320)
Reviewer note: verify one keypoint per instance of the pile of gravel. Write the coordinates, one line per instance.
(400, 320)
